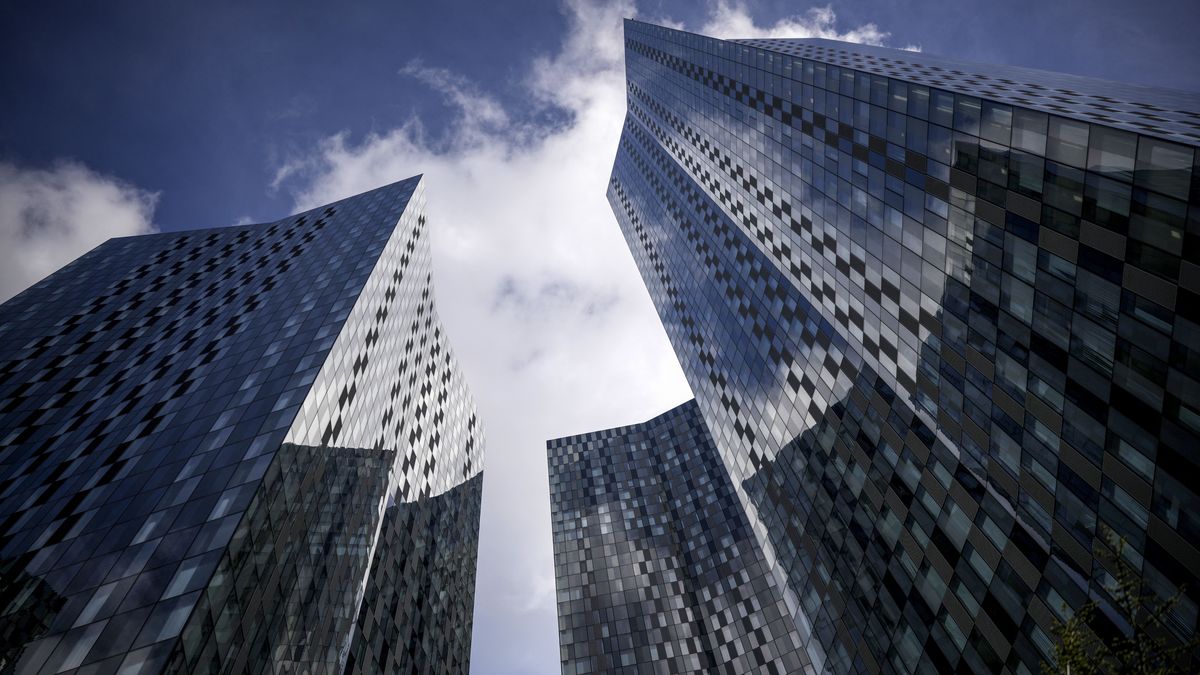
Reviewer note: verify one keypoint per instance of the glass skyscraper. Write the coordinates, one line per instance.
(242, 450)
(942, 321)
(655, 565)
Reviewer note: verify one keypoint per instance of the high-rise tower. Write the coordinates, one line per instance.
(244, 449)
(941, 320)
(655, 564)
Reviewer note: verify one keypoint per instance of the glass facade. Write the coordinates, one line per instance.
(941, 321)
(656, 568)
(235, 449)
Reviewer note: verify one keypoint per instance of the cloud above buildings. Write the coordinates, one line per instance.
(540, 295)
(49, 217)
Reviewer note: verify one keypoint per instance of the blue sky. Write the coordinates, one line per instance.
(122, 118)
(201, 100)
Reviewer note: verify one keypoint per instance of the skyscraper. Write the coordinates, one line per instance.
(244, 449)
(655, 564)
(941, 321)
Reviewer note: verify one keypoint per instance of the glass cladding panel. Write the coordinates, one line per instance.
(1067, 141)
(1164, 167)
(1106, 202)
(966, 114)
(1111, 152)
(996, 122)
(941, 110)
(918, 102)
(1029, 131)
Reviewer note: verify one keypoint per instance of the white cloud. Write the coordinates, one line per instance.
(49, 217)
(731, 21)
(541, 298)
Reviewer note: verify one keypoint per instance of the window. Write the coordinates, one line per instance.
(1106, 203)
(1110, 153)
(1157, 220)
(1164, 167)
(966, 114)
(940, 145)
(1020, 258)
(897, 126)
(918, 101)
(966, 153)
(996, 122)
(1029, 131)
(898, 96)
(1064, 188)
(1067, 141)
(917, 133)
(941, 108)
(1025, 173)
(993, 163)
(879, 91)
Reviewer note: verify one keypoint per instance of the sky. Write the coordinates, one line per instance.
(130, 117)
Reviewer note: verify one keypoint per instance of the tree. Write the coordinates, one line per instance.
(1143, 649)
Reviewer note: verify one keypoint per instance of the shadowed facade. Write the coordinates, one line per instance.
(940, 319)
(655, 564)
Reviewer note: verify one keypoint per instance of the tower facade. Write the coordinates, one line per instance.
(235, 450)
(655, 564)
(940, 319)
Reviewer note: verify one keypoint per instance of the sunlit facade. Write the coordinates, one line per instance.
(237, 450)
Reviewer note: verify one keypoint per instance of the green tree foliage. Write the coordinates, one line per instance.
(1145, 649)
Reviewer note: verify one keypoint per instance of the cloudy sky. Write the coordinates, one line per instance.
(134, 117)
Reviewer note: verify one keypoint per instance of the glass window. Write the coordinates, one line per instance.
(862, 87)
(847, 88)
(1110, 152)
(1164, 167)
(1025, 173)
(1094, 346)
(1064, 188)
(940, 144)
(1078, 517)
(918, 101)
(1124, 501)
(832, 76)
(1152, 259)
(897, 127)
(879, 121)
(966, 153)
(1020, 258)
(1047, 392)
(167, 620)
(1097, 299)
(966, 114)
(833, 105)
(993, 163)
(898, 96)
(1029, 131)
(879, 91)
(917, 133)
(996, 122)
(941, 107)
(1157, 220)
(1106, 203)
(1018, 300)
(1067, 141)
(1061, 222)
